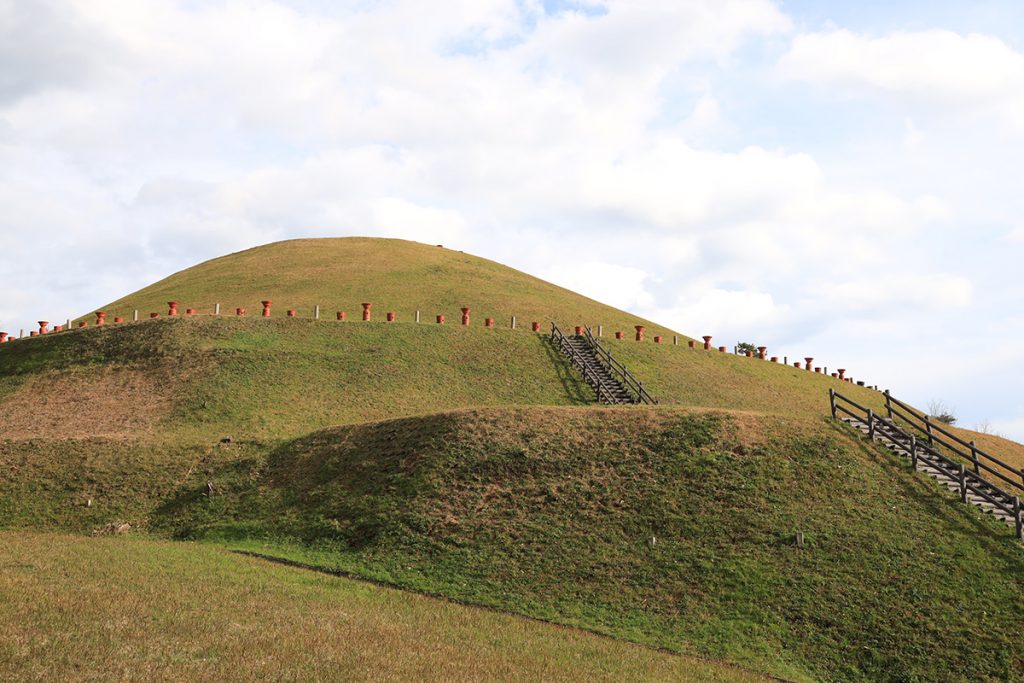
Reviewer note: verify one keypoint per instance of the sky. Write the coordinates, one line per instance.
(836, 180)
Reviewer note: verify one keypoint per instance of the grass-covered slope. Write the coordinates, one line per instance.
(668, 526)
(177, 612)
(195, 380)
(340, 274)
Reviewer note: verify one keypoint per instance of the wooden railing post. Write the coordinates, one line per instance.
(871, 424)
(963, 483)
(832, 401)
(1018, 522)
(913, 452)
(928, 428)
(888, 403)
(974, 458)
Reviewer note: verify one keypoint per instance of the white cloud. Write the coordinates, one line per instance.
(396, 217)
(899, 292)
(609, 283)
(936, 67)
(725, 314)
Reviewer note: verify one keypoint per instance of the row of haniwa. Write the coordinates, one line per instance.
(390, 316)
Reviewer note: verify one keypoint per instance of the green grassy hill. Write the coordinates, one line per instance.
(394, 275)
(467, 462)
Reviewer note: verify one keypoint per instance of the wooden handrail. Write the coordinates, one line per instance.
(931, 427)
(631, 382)
(604, 393)
(970, 481)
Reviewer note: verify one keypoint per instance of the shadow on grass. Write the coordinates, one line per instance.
(959, 519)
(578, 391)
(342, 485)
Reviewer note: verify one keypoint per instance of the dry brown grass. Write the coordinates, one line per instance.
(75, 609)
(1010, 452)
(94, 401)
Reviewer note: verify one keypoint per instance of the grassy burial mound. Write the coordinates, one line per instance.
(340, 274)
(175, 612)
(466, 462)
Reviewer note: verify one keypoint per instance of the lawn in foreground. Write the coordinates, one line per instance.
(78, 608)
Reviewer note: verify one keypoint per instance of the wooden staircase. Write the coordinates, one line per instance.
(611, 381)
(967, 484)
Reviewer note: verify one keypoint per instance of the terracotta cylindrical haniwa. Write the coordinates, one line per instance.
(101, 317)
(657, 339)
(749, 354)
(535, 327)
(842, 373)
(172, 308)
(618, 335)
(341, 315)
(836, 375)
(440, 320)
(44, 327)
(157, 315)
(579, 330)
(692, 344)
(391, 316)
(488, 322)
(118, 319)
(33, 333)
(640, 332)
(808, 361)
(239, 312)
(366, 311)
(707, 342)
(465, 316)
(190, 311)
(818, 370)
(3, 337)
(775, 359)
(82, 323)
(292, 313)
(58, 328)
(762, 352)
(721, 349)
(266, 308)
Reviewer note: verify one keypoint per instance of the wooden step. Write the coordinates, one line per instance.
(896, 442)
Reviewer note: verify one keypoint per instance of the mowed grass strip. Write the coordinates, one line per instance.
(77, 609)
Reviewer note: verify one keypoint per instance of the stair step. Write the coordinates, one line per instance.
(896, 441)
(604, 382)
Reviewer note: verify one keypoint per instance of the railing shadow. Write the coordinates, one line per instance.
(576, 389)
(943, 507)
